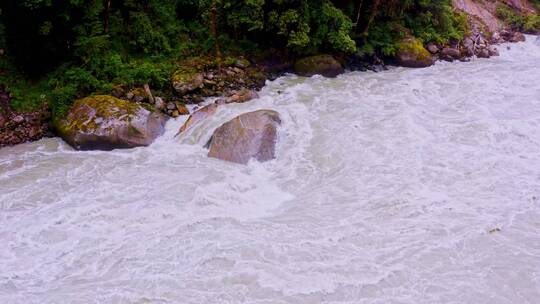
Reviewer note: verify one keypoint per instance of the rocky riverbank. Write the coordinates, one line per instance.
(237, 79)
(17, 128)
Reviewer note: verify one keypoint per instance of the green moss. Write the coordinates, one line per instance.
(413, 46)
(184, 75)
(105, 107)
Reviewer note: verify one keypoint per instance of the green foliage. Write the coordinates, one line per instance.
(529, 23)
(88, 47)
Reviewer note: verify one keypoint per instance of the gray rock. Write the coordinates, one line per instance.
(493, 51)
(450, 54)
(483, 53)
(159, 103)
(198, 116)
(106, 123)
(187, 82)
(250, 135)
(432, 48)
(324, 65)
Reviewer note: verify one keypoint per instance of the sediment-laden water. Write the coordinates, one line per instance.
(405, 186)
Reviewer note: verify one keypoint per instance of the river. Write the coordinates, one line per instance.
(404, 186)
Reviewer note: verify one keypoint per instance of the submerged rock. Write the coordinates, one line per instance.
(250, 135)
(106, 123)
(412, 54)
(240, 96)
(324, 65)
(198, 116)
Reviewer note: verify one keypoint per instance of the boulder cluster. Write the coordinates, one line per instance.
(233, 80)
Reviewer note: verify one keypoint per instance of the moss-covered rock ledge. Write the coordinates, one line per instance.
(105, 123)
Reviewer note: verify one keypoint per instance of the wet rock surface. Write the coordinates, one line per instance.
(106, 123)
(250, 135)
(198, 116)
(324, 65)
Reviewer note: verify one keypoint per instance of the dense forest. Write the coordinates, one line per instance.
(56, 51)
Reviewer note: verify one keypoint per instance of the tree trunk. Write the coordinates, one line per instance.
(213, 28)
(358, 14)
(106, 16)
(372, 15)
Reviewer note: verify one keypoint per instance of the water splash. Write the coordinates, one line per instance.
(406, 186)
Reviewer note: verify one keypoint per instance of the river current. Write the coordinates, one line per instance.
(405, 186)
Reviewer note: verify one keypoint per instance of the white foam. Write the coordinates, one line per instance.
(405, 186)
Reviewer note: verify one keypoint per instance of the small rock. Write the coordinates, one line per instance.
(171, 106)
(175, 113)
(148, 92)
(432, 48)
(138, 98)
(496, 37)
(450, 54)
(198, 116)
(242, 63)
(181, 108)
(187, 82)
(159, 103)
(518, 37)
(130, 95)
(483, 53)
(241, 96)
(18, 119)
(493, 51)
(468, 42)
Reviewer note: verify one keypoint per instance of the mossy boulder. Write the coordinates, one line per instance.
(104, 123)
(412, 54)
(324, 65)
(187, 80)
(250, 135)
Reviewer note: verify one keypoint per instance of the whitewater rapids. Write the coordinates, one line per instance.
(405, 186)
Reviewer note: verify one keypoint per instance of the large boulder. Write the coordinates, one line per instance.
(250, 135)
(106, 123)
(412, 54)
(324, 65)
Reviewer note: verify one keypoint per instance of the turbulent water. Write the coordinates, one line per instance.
(405, 186)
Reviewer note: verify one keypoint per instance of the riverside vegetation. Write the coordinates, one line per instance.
(168, 53)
